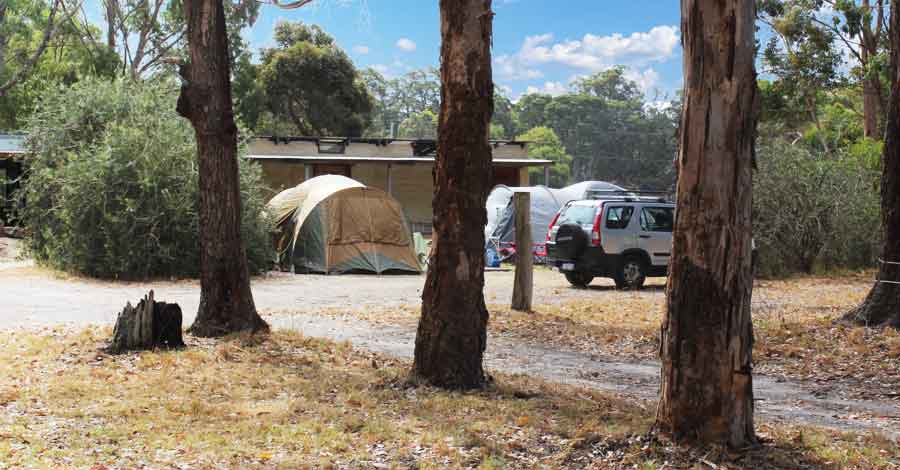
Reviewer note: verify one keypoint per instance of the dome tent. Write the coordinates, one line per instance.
(545, 202)
(333, 224)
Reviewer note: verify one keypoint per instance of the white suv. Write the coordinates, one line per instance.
(627, 239)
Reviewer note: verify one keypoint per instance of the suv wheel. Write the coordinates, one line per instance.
(579, 279)
(632, 273)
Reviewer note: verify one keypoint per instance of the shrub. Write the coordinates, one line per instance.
(111, 188)
(813, 211)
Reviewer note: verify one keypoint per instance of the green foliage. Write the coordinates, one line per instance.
(818, 51)
(503, 122)
(611, 85)
(610, 130)
(545, 145)
(307, 81)
(813, 211)
(420, 125)
(408, 102)
(69, 57)
(399, 99)
(112, 184)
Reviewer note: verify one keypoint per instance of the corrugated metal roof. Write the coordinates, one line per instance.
(12, 143)
(342, 158)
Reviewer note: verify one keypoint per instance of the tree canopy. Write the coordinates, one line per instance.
(545, 145)
(40, 48)
(305, 85)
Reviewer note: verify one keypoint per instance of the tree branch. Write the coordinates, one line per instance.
(28, 66)
(846, 41)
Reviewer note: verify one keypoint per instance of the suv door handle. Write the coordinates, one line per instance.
(643, 236)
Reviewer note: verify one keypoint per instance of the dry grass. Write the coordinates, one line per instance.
(794, 324)
(286, 401)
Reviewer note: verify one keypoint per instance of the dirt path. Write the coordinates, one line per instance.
(777, 401)
(30, 297)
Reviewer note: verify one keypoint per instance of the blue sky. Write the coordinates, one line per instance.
(539, 45)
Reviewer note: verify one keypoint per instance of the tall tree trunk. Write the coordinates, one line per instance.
(452, 332)
(112, 17)
(4, 40)
(706, 391)
(226, 303)
(872, 109)
(882, 305)
(873, 96)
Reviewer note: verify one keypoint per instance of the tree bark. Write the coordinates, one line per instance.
(706, 391)
(226, 303)
(452, 332)
(873, 98)
(871, 107)
(882, 306)
(112, 17)
(148, 325)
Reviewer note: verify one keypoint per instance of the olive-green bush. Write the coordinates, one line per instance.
(813, 211)
(111, 188)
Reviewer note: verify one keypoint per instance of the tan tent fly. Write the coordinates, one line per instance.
(333, 224)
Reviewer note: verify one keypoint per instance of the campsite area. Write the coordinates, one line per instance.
(580, 348)
(462, 234)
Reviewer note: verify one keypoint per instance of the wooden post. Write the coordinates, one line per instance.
(390, 179)
(522, 289)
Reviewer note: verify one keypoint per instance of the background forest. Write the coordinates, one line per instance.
(822, 90)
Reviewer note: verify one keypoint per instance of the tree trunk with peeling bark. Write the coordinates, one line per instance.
(882, 305)
(452, 332)
(873, 96)
(706, 392)
(226, 303)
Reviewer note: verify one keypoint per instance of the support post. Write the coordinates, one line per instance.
(523, 286)
(547, 176)
(307, 172)
(390, 179)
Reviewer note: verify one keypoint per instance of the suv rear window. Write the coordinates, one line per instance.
(617, 217)
(657, 219)
(581, 215)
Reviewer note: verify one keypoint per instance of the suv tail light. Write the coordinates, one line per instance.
(595, 232)
(552, 223)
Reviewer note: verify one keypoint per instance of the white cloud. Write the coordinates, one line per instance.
(361, 50)
(549, 88)
(406, 45)
(381, 68)
(646, 79)
(510, 69)
(591, 53)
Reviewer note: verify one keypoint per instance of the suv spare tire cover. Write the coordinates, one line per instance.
(570, 241)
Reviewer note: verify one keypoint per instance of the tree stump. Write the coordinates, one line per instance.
(149, 325)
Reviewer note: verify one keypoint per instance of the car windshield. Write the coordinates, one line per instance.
(581, 215)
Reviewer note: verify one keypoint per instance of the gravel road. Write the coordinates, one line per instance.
(32, 297)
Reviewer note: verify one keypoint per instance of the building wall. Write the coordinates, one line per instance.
(267, 147)
(414, 189)
(394, 149)
(412, 183)
(510, 151)
(281, 175)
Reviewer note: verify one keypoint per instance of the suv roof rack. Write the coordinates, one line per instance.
(629, 195)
